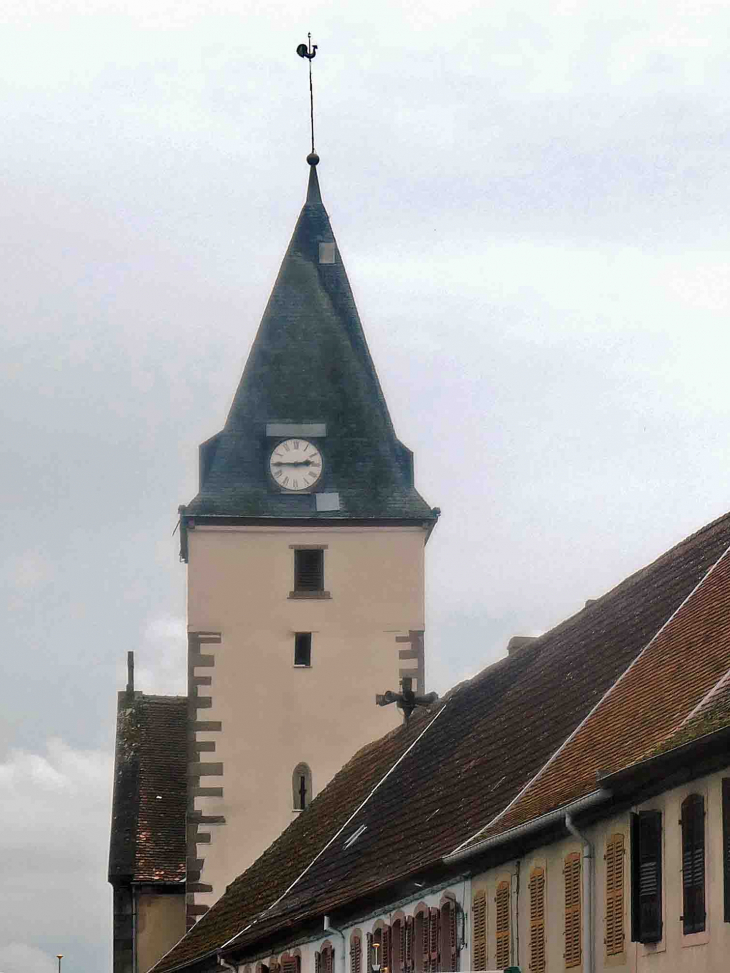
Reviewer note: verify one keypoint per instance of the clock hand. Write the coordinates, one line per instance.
(303, 462)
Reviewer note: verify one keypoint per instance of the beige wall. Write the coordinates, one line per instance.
(706, 952)
(160, 923)
(275, 715)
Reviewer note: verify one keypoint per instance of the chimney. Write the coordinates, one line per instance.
(130, 674)
(518, 642)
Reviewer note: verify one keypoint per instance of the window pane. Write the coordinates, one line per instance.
(303, 649)
(308, 570)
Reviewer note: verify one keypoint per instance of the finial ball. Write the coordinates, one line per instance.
(313, 158)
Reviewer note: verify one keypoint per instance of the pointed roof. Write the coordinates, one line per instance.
(310, 363)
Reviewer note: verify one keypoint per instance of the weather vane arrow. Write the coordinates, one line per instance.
(309, 51)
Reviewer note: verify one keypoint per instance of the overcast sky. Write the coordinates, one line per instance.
(531, 202)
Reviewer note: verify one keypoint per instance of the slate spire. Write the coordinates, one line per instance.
(310, 363)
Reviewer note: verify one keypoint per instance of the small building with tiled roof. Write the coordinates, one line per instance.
(148, 844)
(567, 808)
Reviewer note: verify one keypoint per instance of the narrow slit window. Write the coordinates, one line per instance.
(303, 649)
(326, 253)
(301, 787)
(308, 569)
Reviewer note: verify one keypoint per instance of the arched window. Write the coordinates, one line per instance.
(356, 952)
(301, 785)
(448, 936)
(291, 963)
(324, 960)
(379, 948)
(398, 944)
(693, 863)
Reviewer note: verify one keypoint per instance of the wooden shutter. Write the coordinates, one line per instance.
(308, 570)
(646, 877)
(573, 910)
(408, 945)
(328, 956)
(479, 930)
(398, 938)
(614, 859)
(289, 964)
(387, 951)
(502, 925)
(355, 955)
(318, 962)
(369, 952)
(537, 920)
(433, 940)
(693, 863)
(726, 843)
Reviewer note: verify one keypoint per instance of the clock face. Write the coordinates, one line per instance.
(296, 464)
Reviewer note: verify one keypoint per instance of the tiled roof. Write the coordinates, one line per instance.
(310, 363)
(644, 709)
(482, 744)
(149, 805)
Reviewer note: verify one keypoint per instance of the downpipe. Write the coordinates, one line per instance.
(588, 884)
(328, 927)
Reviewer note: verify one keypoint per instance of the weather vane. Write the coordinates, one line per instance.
(309, 50)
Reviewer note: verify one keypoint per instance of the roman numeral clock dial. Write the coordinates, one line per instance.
(296, 465)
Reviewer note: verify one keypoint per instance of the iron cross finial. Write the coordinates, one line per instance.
(407, 699)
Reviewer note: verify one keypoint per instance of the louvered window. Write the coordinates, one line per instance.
(433, 941)
(290, 964)
(614, 859)
(479, 930)
(693, 863)
(355, 954)
(324, 961)
(379, 949)
(573, 912)
(502, 924)
(408, 945)
(537, 920)
(646, 877)
(308, 569)
(726, 843)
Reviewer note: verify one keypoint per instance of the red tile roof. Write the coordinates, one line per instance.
(481, 746)
(149, 805)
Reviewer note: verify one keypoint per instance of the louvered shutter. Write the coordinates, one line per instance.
(502, 925)
(693, 863)
(329, 959)
(614, 859)
(433, 940)
(537, 920)
(399, 945)
(408, 945)
(317, 962)
(646, 877)
(726, 843)
(387, 958)
(479, 930)
(289, 964)
(355, 955)
(573, 912)
(308, 570)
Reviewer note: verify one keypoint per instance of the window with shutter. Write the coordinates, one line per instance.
(693, 863)
(479, 930)
(502, 924)
(398, 945)
(327, 958)
(408, 945)
(573, 911)
(290, 963)
(386, 961)
(355, 954)
(433, 941)
(420, 935)
(726, 843)
(318, 963)
(646, 877)
(537, 920)
(308, 569)
(614, 858)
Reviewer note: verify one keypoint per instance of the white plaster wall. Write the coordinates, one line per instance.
(275, 715)
(160, 924)
(707, 952)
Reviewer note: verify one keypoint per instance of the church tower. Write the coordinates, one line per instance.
(305, 552)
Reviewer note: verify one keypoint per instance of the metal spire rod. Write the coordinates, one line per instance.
(309, 50)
